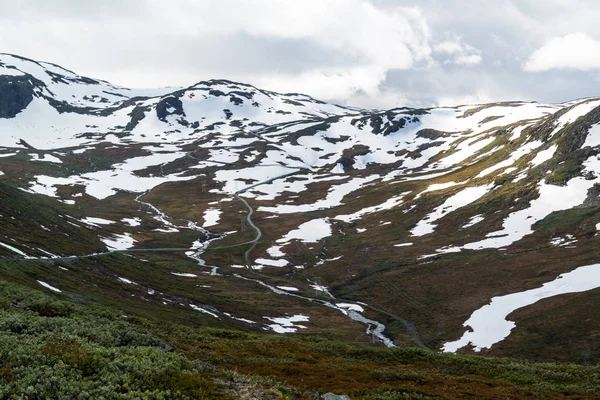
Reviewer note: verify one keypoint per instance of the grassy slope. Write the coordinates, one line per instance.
(36, 221)
(53, 348)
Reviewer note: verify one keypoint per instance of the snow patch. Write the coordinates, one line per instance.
(44, 284)
(96, 221)
(287, 324)
(272, 263)
(460, 199)
(211, 217)
(489, 324)
(288, 288)
(119, 242)
(132, 221)
(309, 232)
(350, 306)
(184, 274)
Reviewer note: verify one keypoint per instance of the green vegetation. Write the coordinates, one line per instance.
(567, 218)
(564, 171)
(54, 349)
(51, 348)
(39, 222)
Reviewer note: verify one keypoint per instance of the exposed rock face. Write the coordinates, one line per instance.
(16, 92)
(169, 106)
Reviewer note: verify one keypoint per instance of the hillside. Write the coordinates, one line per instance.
(467, 229)
(52, 348)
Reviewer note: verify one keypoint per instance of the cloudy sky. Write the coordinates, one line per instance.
(370, 53)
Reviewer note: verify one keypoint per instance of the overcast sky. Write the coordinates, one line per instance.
(370, 53)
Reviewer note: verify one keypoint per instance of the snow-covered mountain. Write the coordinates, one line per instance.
(420, 213)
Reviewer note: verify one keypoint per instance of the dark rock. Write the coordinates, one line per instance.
(247, 95)
(294, 103)
(137, 114)
(236, 100)
(16, 92)
(379, 127)
(430, 134)
(169, 106)
(212, 127)
(593, 197)
(216, 93)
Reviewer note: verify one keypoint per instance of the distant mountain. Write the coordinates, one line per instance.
(437, 227)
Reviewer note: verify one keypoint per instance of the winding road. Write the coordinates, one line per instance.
(254, 241)
(374, 328)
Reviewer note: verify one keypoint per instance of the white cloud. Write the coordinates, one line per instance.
(371, 53)
(333, 83)
(377, 41)
(333, 49)
(472, 59)
(457, 52)
(573, 51)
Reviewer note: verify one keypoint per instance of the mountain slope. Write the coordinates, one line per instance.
(415, 225)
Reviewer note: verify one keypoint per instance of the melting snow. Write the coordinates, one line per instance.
(321, 262)
(44, 284)
(211, 217)
(334, 198)
(519, 224)
(437, 186)
(489, 324)
(96, 221)
(272, 263)
(593, 136)
(544, 155)
(14, 249)
(288, 288)
(132, 221)
(460, 199)
(119, 242)
(203, 310)
(102, 184)
(573, 114)
(309, 232)
(287, 324)
(387, 205)
(321, 288)
(350, 306)
(567, 240)
(184, 274)
(275, 251)
(514, 156)
(474, 220)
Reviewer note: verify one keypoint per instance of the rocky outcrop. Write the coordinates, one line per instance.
(16, 92)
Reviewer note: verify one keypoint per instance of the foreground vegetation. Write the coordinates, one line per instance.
(55, 348)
